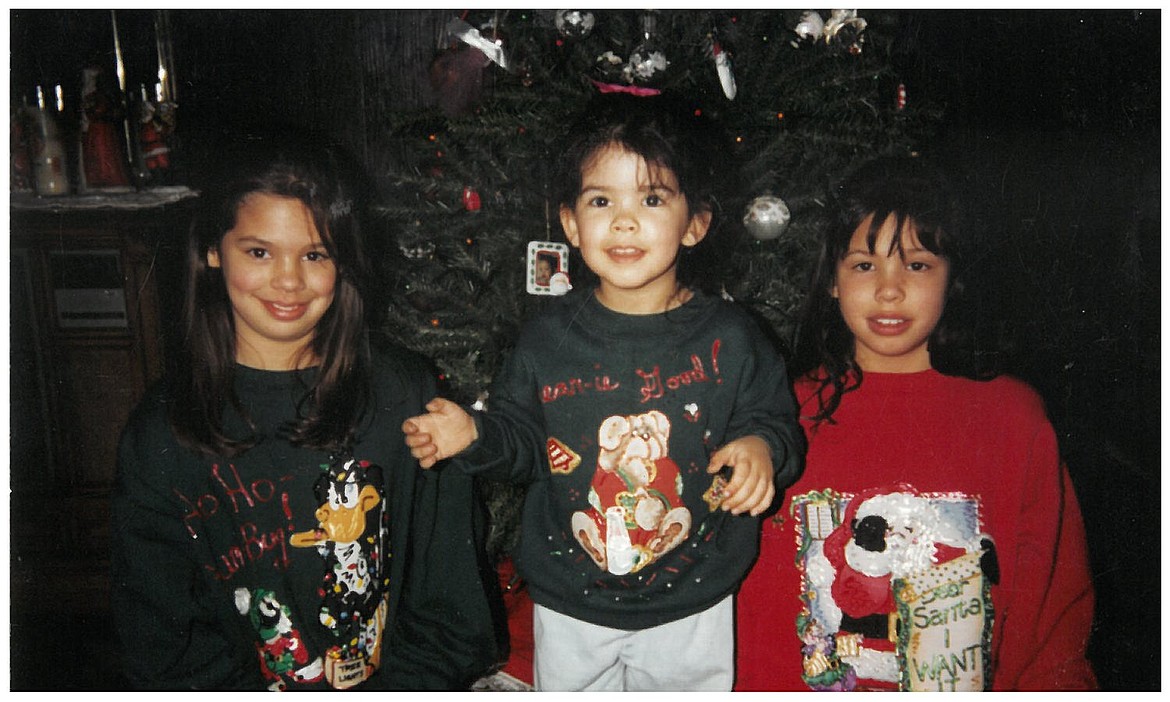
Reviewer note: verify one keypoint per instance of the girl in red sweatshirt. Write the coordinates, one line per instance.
(934, 541)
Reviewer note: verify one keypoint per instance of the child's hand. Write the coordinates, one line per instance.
(444, 431)
(750, 489)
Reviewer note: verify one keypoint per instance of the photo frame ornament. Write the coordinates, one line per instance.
(547, 268)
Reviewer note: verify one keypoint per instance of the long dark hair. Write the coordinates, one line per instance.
(918, 195)
(667, 132)
(202, 379)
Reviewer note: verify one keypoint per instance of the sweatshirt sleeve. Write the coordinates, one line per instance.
(765, 407)
(511, 443)
(1046, 624)
(170, 633)
(444, 633)
(444, 636)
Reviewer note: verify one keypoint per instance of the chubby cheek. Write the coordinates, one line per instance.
(593, 256)
(840, 295)
(852, 309)
(585, 236)
(240, 279)
(325, 285)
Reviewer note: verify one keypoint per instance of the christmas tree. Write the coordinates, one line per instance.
(805, 96)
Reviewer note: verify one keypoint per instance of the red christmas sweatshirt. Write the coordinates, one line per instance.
(934, 542)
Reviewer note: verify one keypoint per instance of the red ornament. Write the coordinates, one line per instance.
(471, 201)
(900, 97)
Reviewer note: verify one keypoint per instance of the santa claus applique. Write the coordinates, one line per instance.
(885, 539)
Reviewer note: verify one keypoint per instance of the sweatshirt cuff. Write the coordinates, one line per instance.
(476, 449)
(480, 455)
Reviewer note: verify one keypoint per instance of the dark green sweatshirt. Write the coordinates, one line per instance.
(289, 568)
(611, 419)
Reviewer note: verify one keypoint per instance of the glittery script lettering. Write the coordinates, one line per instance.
(653, 385)
(577, 386)
(237, 498)
(198, 509)
(242, 496)
(252, 547)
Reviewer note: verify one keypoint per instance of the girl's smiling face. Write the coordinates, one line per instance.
(629, 222)
(891, 298)
(280, 280)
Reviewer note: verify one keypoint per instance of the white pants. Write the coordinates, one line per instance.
(694, 653)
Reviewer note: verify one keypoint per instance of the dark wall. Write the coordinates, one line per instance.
(339, 73)
(1056, 116)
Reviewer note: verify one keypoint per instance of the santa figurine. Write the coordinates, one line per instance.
(101, 138)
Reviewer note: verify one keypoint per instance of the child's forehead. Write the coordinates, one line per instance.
(612, 153)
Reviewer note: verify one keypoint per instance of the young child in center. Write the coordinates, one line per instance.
(270, 530)
(652, 421)
(934, 541)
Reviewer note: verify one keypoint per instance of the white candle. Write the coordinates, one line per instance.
(118, 52)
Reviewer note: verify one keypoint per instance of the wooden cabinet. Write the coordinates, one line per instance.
(95, 285)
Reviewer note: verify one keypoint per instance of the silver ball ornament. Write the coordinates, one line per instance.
(645, 63)
(574, 24)
(767, 217)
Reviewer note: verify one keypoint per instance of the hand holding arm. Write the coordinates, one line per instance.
(445, 430)
(751, 488)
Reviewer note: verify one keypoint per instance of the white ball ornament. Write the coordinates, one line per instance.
(767, 217)
(811, 26)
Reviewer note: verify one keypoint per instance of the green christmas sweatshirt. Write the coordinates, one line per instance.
(611, 419)
(289, 568)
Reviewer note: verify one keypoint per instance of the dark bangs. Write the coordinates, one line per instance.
(930, 235)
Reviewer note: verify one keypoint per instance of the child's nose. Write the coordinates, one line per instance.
(287, 276)
(889, 288)
(624, 221)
